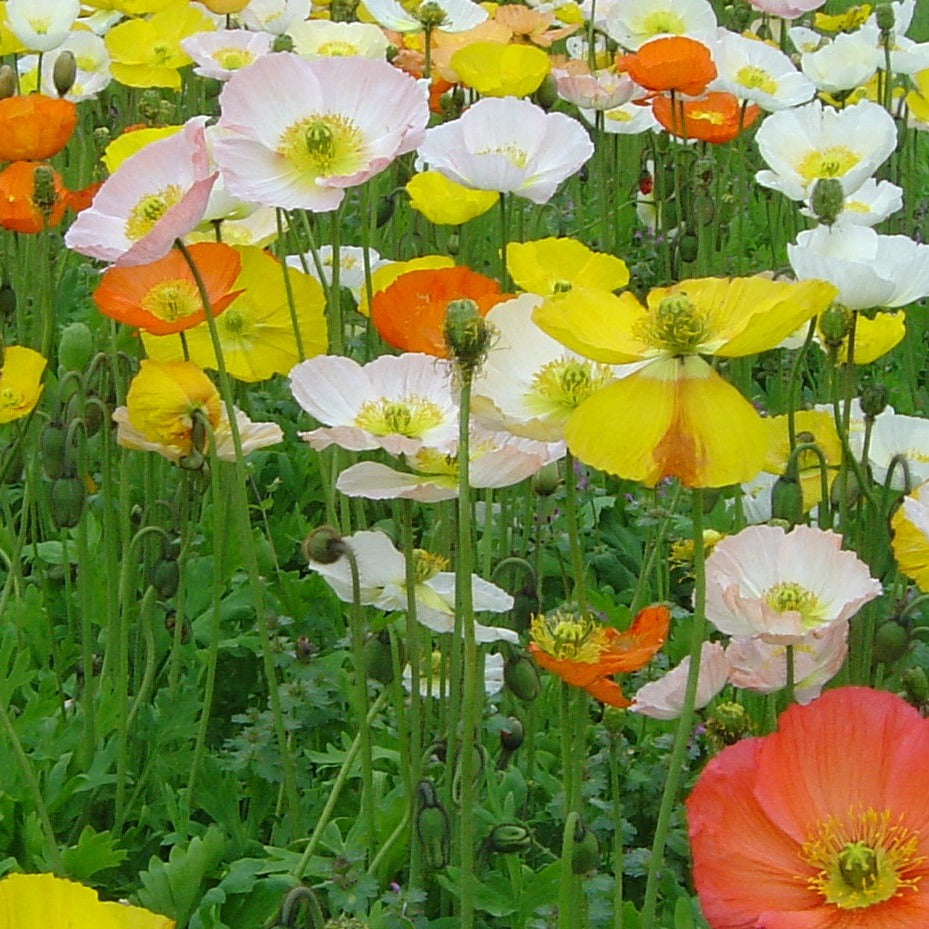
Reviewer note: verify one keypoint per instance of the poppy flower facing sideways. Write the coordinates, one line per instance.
(19, 201)
(162, 297)
(410, 313)
(21, 371)
(717, 117)
(825, 820)
(671, 63)
(34, 127)
(585, 653)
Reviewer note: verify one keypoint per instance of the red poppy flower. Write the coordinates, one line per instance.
(670, 63)
(585, 653)
(821, 825)
(717, 117)
(410, 313)
(18, 209)
(162, 297)
(34, 127)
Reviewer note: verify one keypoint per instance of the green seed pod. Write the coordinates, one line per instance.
(67, 501)
(467, 333)
(75, 347)
(586, 851)
(873, 399)
(827, 200)
(432, 827)
(727, 724)
(890, 642)
(53, 449)
(884, 14)
(835, 323)
(522, 677)
(509, 839)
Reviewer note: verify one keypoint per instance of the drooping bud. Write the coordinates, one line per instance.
(7, 301)
(65, 72)
(509, 839)
(385, 210)
(522, 677)
(890, 642)
(835, 324)
(377, 658)
(467, 334)
(827, 200)
(432, 827)
(787, 499)
(165, 577)
(688, 246)
(53, 449)
(76, 347)
(873, 399)
(324, 545)
(67, 501)
(511, 737)
(586, 851)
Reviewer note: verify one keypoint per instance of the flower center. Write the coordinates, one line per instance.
(324, 145)
(518, 156)
(337, 49)
(171, 300)
(708, 116)
(791, 596)
(756, 78)
(663, 22)
(566, 382)
(436, 463)
(426, 565)
(146, 213)
(863, 860)
(231, 59)
(233, 321)
(11, 399)
(676, 325)
(410, 416)
(569, 636)
(828, 162)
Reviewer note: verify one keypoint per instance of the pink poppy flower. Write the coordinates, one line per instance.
(154, 198)
(299, 132)
(664, 698)
(787, 9)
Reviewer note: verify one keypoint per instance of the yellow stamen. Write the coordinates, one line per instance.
(569, 636)
(676, 325)
(231, 59)
(834, 161)
(171, 300)
(756, 78)
(410, 416)
(565, 383)
(324, 145)
(426, 565)
(150, 209)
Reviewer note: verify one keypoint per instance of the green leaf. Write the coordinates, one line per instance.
(94, 852)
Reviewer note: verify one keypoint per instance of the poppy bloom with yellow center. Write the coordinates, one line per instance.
(671, 63)
(820, 825)
(676, 416)
(162, 297)
(585, 653)
(35, 127)
(20, 381)
(717, 117)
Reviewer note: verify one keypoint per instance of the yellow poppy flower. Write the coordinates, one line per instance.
(555, 265)
(874, 338)
(131, 142)
(148, 52)
(848, 21)
(910, 526)
(918, 98)
(20, 382)
(256, 331)
(163, 398)
(9, 43)
(446, 203)
(496, 70)
(34, 901)
(130, 7)
(675, 416)
(384, 276)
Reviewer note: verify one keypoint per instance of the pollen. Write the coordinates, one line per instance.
(835, 161)
(518, 156)
(663, 22)
(172, 300)
(756, 78)
(410, 416)
(231, 59)
(325, 144)
(146, 213)
(789, 596)
(676, 325)
(336, 49)
(569, 636)
(862, 860)
(563, 384)
(426, 565)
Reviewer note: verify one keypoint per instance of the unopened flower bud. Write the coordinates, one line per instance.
(546, 480)
(324, 545)
(165, 577)
(64, 72)
(467, 334)
(453, 243)
(67, 501)
(890, 642)
(586, 852)
(432, 827)
(835, 323)
(511, 737)
(873, 399)
(343, 11)
(379, 665)
(827, 200)
(52, 446)
(687, 247)
(509, 839)
(546, 95)
(76, 346)
(846, 486)
(787, 499)
(7, 82)
(522, 677)
(282, 43)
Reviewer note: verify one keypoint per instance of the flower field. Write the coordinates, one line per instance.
(464, 465)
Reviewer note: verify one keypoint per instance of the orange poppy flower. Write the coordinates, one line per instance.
(718, 117)
(585, 653)
(825, 820)
(18, 209)
(410, 313)
(34, 127)
(162, 297)
(670, 63)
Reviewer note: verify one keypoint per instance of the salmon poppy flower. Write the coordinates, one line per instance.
(34, 127)
(18, 208)
(671, 63)
(821, 825)
(162, 297)
(717, 117)
(410, 313)
(585, 653)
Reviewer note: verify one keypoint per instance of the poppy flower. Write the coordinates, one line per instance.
(910, 526)
(825, 819)
(446, 203)
(631, 25)
(18, 208)
(669, 63)
(20, 381)
(162, 297)
(664, 698)
(410, 313)
(585, 653)
(496, 70)
(716, 117)
(34, 127)
(31, 901)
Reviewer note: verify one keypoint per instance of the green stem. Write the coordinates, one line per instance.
(577, 556)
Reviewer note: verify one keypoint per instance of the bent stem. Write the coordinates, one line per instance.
(685, 722)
